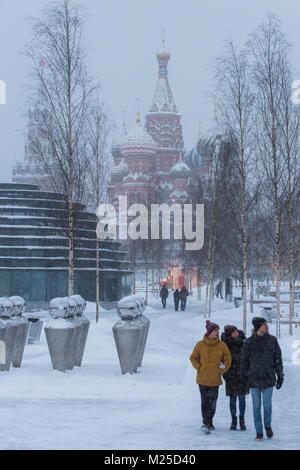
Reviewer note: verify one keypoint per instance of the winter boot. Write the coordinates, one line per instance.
(211, 426)
(206, 429)
(242, 423)
(259, 437)
(234, 423)
(269, 432)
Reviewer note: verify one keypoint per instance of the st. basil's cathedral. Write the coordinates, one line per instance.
(151, 166)
(150, 162)
(150, 153)
(155, 152)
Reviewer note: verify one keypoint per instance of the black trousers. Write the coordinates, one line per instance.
(209, 396)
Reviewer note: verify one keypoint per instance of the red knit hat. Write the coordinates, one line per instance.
(210, 326)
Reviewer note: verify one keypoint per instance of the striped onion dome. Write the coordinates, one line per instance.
(180, 170)
(120, 170)
(138, 143)
(115, 149)
(193, 158)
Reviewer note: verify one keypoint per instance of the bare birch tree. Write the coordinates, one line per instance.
(289, 122)
(98, 171)
(212, 196)
(269, 48)
(235, 100)
(66, 91)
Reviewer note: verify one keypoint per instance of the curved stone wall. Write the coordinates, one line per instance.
(34, 249)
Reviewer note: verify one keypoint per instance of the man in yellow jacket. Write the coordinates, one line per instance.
(207, 357)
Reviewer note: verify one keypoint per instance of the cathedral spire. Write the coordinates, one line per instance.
(163, 57)
(163, 100)
(124, 123)
(138, 114)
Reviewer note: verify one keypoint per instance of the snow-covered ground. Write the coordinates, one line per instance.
(95, 407)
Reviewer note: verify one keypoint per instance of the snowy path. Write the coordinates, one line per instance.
(95, 407)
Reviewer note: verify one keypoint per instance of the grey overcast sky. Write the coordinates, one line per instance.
(124, 37)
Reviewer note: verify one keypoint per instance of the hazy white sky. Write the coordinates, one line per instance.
(124, 37)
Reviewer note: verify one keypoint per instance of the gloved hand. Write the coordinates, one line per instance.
(279, 382)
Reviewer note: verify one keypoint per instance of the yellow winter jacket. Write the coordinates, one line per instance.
(207, 357)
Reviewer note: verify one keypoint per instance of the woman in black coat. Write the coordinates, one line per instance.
(234, 339)
(176, 299)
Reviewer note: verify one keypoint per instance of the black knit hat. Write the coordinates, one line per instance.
(257, 322)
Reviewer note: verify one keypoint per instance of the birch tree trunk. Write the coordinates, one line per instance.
(277, 232)
(97, 280)
(152, 278)
(209, 274)
(198, 284)
(147, 277)
(244, 234)
(70, 161)
(291, 263)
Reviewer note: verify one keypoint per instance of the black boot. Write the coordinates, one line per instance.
(269, 432)
(242, 423)
(234, 423)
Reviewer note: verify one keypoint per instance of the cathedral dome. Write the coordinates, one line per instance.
(121, 170)
(180, 170)
(115, 149)
(138, 143)
(193, 158)
(206, 147)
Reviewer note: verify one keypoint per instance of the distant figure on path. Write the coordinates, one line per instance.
(183, 295)
(164, 295)
(176, 296)
(219, 289)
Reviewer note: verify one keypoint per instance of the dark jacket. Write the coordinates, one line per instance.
(176, 296)
(233, 376)
(184, 293)
(164, 292)
(261, 361)
(219, 286)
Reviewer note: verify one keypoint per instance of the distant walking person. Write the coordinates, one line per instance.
(164, 295)
(176, 296)
(234, 339)
(183, 295)
(219, 289)
(206, 358)
(261, 362)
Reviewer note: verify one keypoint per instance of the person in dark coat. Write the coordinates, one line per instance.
(234, 339)
(261, 370)
(219, 290)
(183, 295)
(176, 296)
(164, 295)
